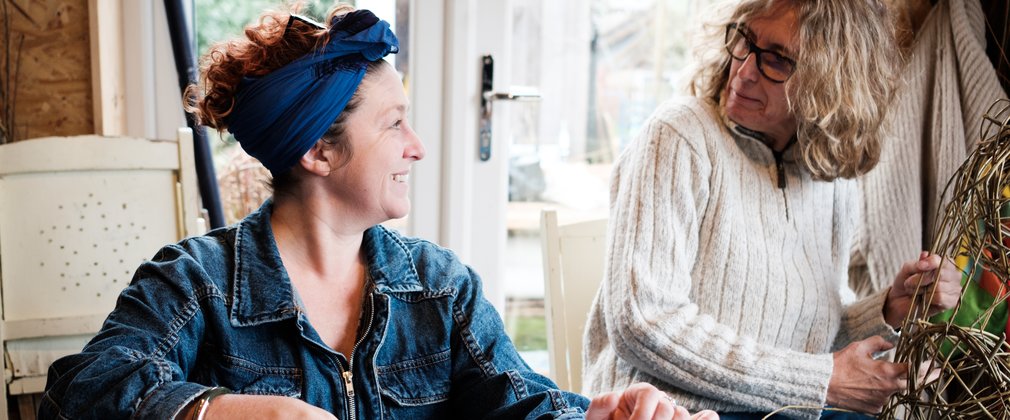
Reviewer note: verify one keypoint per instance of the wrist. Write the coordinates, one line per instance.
(829, 397)
(892, 311)
(202, 403)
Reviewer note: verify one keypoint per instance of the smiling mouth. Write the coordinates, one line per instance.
(400, 177)
(744, 97)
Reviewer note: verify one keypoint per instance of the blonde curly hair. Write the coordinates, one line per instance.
(846, 75)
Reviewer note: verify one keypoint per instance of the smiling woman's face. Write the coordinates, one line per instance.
(752, 100)
(373, 185)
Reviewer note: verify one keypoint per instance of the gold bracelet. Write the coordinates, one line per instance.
(203, 401)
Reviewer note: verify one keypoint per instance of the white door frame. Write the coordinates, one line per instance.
(459, 201)
(151, 89)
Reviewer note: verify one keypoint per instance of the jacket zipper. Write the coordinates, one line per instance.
(352, 411)
(780, 171)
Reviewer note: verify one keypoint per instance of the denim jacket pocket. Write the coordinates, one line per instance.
(418, 381)
(247, 377)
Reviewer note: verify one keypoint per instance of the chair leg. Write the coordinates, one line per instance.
(4, 413)
(27, 407)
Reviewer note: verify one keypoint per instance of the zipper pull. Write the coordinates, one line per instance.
(780, 168)
(779, 164)
(348, 384)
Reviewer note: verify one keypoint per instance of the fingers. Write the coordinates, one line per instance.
(862, 384)
(932, 376)
(908, 269)
(704, 415)
(926, 262)
(918, 277)
(873, 345)
(926, 373)
(603, 405)
(947, 291)
(640, 401)
(923, 266)
(897, 374)
(643, 402)
(667, 409)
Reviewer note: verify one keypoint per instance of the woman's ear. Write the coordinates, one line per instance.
(318, 160)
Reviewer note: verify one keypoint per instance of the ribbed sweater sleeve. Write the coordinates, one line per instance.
(864, 319)
(659, 197)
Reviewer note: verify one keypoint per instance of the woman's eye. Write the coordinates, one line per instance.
(396, 124)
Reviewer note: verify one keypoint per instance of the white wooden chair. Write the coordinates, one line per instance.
(78, 215)
(573, 256)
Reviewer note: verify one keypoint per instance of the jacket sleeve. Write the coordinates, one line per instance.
(490, 379)
(135, 367)
(659, 198)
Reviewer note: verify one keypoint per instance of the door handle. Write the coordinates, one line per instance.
(487, 98)
(512, 96)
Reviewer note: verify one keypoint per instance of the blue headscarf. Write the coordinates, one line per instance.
(278, 117)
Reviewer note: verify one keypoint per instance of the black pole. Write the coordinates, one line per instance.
(185, 66)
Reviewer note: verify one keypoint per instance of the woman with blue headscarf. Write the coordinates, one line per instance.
(308, 308)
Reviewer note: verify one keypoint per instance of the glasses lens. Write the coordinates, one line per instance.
(736, 44)
(771, 64)
(775, 66)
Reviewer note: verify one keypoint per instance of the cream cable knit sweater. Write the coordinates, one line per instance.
(721, 288)
(950, 83)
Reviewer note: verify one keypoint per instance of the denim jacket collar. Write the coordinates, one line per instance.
(389, 262)
(261, 289)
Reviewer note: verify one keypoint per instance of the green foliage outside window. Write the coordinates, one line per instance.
(218, 20)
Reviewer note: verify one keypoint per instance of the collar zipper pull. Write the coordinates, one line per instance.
(780, 167)
(781, 170)
(349, 384)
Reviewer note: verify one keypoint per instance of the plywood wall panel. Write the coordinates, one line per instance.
(54, 92)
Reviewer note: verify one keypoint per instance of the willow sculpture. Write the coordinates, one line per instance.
(968, 345)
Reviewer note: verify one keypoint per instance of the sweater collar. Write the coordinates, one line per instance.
(749, 136)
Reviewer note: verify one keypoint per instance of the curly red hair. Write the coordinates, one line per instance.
(275, 40)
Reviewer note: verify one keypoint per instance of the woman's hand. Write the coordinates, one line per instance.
(641, 401)
(255, 407)
(860, 383)
(923, 273)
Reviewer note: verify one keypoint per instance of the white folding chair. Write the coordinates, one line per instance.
(573, 256)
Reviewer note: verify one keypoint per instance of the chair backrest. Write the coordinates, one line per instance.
(573, 256)
(79, 214)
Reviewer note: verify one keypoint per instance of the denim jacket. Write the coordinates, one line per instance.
(220, 310)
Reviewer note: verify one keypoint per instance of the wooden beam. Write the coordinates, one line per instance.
(108, 82)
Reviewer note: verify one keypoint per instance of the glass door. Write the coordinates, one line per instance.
(601, 67)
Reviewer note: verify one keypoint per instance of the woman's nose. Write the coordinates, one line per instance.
(749, 68)
(415, 148)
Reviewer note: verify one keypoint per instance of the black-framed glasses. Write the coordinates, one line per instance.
(771, 64)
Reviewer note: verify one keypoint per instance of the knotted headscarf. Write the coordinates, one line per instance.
(278, 117)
